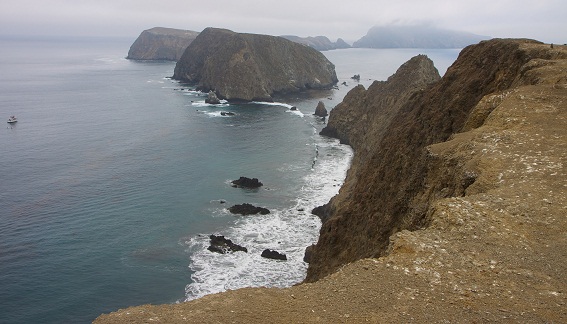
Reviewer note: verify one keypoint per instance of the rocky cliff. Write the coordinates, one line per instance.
(454, 209)
(245, 67)
(392, 155)
(320, 43)
(160, 43)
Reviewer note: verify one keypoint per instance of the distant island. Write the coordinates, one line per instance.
(320, 43)
(252, 67)
(417, 36)
(161, 43)
(168, 44)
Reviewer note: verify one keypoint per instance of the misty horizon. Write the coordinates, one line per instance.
(543, 21)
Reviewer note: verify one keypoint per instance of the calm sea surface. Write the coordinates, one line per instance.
(114, 176)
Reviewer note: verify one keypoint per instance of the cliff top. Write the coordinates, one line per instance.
(494, 253)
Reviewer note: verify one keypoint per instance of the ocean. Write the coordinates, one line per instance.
(115, 175)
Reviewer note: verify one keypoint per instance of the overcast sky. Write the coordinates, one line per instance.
(544, 20)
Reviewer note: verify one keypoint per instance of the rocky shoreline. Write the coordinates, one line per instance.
(454, 208)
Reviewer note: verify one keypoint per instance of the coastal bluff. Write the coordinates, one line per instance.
(252, 67)
(454, 208)
(159, 43)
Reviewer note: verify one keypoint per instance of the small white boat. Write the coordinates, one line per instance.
(12, 120)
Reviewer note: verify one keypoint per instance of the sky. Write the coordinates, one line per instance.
(544, 20)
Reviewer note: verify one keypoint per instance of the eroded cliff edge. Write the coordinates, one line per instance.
(483, 189)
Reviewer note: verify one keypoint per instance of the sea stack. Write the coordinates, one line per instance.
(251, 67)
(321, 111)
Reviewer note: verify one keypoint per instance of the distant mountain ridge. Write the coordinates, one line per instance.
(417, 36)
(320, 43)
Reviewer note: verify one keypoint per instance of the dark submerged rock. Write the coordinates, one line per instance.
(222, 245)
(271, 254)
(247, 182)
(248, 209)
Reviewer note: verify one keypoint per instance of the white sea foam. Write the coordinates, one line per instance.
(217, 114)
(272, 104)
(223, 103)
(191, 92)
(288, 231)
(281, 104)
(296, 112)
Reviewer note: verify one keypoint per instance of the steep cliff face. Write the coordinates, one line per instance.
(363, 115)
(245, 67)
(386, 189)
(160, 43)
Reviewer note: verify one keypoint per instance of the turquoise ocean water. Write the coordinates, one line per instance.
(113, 177)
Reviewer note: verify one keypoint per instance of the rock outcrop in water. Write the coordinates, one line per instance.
(161, 43)
(222, 245)
(271, 254)
(245, 182)
(248, 209)
(247, 67)
(212, 98)
(320, 110)
(454, 208)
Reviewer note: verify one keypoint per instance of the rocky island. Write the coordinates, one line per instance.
(161, 43)
(418, 36)
(320, 43)
(454, 208)
(251, 67)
